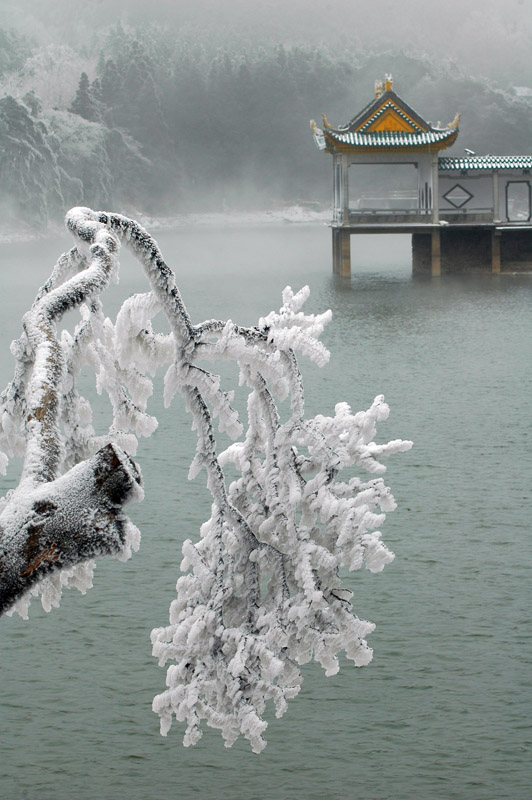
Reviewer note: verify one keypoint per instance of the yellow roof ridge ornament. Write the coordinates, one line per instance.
(326, 123)
(454, 124)
(388, 83)
(319, 136)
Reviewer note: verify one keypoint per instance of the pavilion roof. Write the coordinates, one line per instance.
(387, 123)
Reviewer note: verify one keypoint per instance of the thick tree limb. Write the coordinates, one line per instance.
(66, 521)
(52, 521)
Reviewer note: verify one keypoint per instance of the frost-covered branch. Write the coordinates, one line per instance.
(262, 591)
(61, 514)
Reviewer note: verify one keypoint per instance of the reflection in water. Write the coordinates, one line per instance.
(442, 710)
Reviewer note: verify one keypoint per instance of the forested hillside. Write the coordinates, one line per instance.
(149, 121)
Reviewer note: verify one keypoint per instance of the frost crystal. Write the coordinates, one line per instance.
(262, 591)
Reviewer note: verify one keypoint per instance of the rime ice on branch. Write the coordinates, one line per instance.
(262, 591)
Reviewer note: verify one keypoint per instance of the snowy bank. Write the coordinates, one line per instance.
(296, 214)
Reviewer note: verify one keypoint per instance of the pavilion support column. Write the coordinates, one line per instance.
(341, 242)
(337, 188)
(495, 252)
(496, 213)
(336, 250)
(345, 270)
(345, 176)
(435, 190)
(435, 253)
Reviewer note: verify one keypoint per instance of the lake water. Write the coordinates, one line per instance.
(443, 711)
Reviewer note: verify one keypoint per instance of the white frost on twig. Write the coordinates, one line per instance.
(262, 591)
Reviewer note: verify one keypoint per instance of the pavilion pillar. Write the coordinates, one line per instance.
(336, 259)
(341, 241)
(345, 269)
(435, 190)
(496, 213)
(337, 188)
(495, 252)
(345, 177)
(435, 253)
(435, 239)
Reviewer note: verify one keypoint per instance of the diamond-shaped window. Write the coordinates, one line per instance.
(458, 196)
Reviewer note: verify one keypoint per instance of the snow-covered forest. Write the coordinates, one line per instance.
(156, 119)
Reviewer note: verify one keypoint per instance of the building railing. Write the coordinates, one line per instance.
(408, 216)
(355, 212)
(460, 215)
(386, 216)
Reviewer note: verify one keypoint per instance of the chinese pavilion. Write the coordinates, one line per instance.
(389, 177)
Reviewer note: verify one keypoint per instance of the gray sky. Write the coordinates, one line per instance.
(486, 37)
(477, 30)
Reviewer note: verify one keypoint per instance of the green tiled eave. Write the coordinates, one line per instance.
(447, 163)
(390, 138)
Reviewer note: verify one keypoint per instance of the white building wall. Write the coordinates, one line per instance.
(513, 187)
(465, 193)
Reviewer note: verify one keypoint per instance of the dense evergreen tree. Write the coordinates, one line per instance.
(110, 84)
(84, 103)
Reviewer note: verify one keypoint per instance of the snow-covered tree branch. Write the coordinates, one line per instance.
(262, 591)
